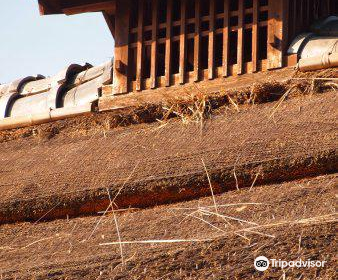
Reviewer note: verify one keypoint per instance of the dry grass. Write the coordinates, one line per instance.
(216, 217)
(201, 105)
(197, 105)
(246, 227)
(197, 109)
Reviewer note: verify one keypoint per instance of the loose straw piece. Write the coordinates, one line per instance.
(117, 227)
(254, 181)
(155, 241)
(228, 217)
(112, 201)
(324, 79)
(211, 189)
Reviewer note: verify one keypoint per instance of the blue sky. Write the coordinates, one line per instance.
(31, 44)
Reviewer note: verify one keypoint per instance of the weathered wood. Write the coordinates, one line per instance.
(225, 63)
(290, 60)
(122, 22)
(307, 12)
(255, 35)
(197, 41)
(246, 80)
(285, 26)
(182, 43)
(240, 37)
(168, 43)
(139, 54)
(300, 14)
(110, 20)
(295, 27)
(276, 30)
(93, 7)
(202, 34)
(211, 43)
(153, 62)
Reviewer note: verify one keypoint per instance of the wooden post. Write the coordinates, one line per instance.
(197, 41)
(122, 21)
(182, 43)
(139, 56)
(276, 33)
(225, 63)
(255, 35)
(168, 43)
(211, 48)
(285, 31)
(240, 37)
(153, 63)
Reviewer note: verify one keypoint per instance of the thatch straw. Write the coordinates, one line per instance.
(156, 241)
(211, 189)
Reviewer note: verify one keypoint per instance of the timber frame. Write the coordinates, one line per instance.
(159, 43)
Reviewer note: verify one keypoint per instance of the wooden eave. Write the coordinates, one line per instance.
(71, 7)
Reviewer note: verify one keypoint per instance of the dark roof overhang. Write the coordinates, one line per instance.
(71, 7)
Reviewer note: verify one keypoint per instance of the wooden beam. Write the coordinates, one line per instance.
(168, 43)
(197, 41)
(139, 54)
(153, 62)
(240, 34)
(211, 48)
(109, 6)
(121, 56)
(49, 7)
(225, 63)
(276, 33)
(255, 35)
(182, 43)
(110, 20)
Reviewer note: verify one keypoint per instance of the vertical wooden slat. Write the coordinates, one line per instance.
(197, 41)
(153, 59)
(168, 43)
(295, 16)
(276, 33)
(225, 64)
(301, 18)
(182, 43)
(285, 26)
(121, 59)
(211, 47)
(240, 37)
(255, 36)
(329, 7)
(139, 55)
(310, 11)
